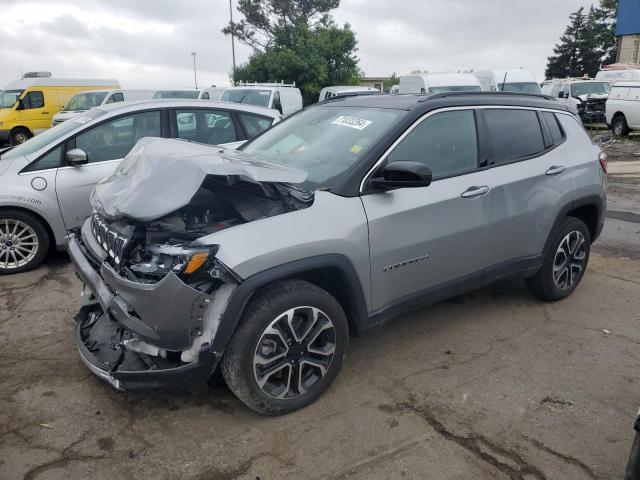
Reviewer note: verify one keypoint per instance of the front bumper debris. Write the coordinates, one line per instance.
(166, 316)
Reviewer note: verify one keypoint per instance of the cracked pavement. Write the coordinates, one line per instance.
(490, 385)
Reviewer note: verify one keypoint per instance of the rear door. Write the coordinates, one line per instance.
(529, 174)
(632, 107)
(105, 144)
(430, 237)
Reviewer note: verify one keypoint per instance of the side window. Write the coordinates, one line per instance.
(566, 90)
(205, 96)
(554, 127)
(47, 161)
(116, 97)
(446, 142)
(254, 125)
(33, 100)
(113, 140)
(212, 127)
(277, 104)
(514, 134)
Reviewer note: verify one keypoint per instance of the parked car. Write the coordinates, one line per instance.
(346, 91)
(81, 102)
(185, 94)
(45, 183)
(508, 80)
(287, 99)
(212, 93)
(588, 96)
(27, 106)
(623, 108)
(438, 83)
(614, 76)
(263, 261)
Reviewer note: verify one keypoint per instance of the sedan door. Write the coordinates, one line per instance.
(105, 145)
(430, 240)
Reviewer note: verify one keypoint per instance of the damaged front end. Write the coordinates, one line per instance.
(591, 108)
(154, 293)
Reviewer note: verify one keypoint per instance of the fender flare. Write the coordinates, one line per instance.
(234, 310)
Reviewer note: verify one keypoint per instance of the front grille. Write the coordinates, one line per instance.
(114, 243)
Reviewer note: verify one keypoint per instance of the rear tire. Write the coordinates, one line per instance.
(564, 263)
(619, 126)
(24, 242)
(19, 136)
(288, 349)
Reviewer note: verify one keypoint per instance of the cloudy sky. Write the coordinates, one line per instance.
(147, 43)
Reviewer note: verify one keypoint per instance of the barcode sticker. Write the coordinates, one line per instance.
(352, 122)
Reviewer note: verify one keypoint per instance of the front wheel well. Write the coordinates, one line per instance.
(333, 280)
(22, 127)
(52, 238)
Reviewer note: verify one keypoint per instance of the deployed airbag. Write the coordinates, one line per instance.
(161, 175)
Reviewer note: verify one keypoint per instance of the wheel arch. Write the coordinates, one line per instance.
(21, 127)
(45, 223)
(333, 273)
(589, 209)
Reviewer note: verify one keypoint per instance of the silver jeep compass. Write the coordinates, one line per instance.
(264, 261)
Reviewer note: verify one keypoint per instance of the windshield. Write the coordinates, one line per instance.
(84, 101)
(587, 88)
(521, 87)
(191, 94)
(455, 88)
(250, 96)
(8, 98)
(324, 141)
(52, 135)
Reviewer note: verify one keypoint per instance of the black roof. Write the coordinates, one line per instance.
(451, 99)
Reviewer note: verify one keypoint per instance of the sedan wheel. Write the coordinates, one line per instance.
(569, 261)
(18, 244)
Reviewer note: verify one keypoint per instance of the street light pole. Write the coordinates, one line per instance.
(195, 75)
(233, 46)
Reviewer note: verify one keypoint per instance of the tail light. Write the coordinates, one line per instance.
(602, 158)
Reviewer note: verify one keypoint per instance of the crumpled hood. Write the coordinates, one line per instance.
(592, 96)
(160, 176)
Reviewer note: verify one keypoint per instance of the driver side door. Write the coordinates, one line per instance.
(427, 240)
(105, 144)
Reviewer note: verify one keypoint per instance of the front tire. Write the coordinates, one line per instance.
(619, 126)
(24, 242)
(564, 263)
(288, 348)
(18, 136)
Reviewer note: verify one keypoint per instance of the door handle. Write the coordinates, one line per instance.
(45, 113)
(473, 192)
(555, 170)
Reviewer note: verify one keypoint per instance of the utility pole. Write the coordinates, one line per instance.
(195, 75)
(233, 46)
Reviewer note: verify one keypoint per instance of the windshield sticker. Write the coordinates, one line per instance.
(356, 149)
(352, 122)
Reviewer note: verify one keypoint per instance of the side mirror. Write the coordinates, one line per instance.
(561, 95)
(77, 157)
(403, 175)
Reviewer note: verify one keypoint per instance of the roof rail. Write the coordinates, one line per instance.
(474, 93)
(259, 84)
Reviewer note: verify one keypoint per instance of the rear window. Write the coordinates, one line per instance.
(554, 127)
(514, 134)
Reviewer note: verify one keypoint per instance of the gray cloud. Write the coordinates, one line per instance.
(148, 43)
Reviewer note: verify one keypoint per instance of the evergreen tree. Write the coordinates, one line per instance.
(566, 61)
(605, 30)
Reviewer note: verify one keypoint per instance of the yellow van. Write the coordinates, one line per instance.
(28, 105)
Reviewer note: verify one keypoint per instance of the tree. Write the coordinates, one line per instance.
(296, 41)
(391, 80)
(566, 62)
(587, 43)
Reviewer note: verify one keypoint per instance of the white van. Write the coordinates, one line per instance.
(212, 93)
(346, 91)
(508, 80)
(438, 83)
(614, 76)
(287, 99)
(83, 101)
(622, 110)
